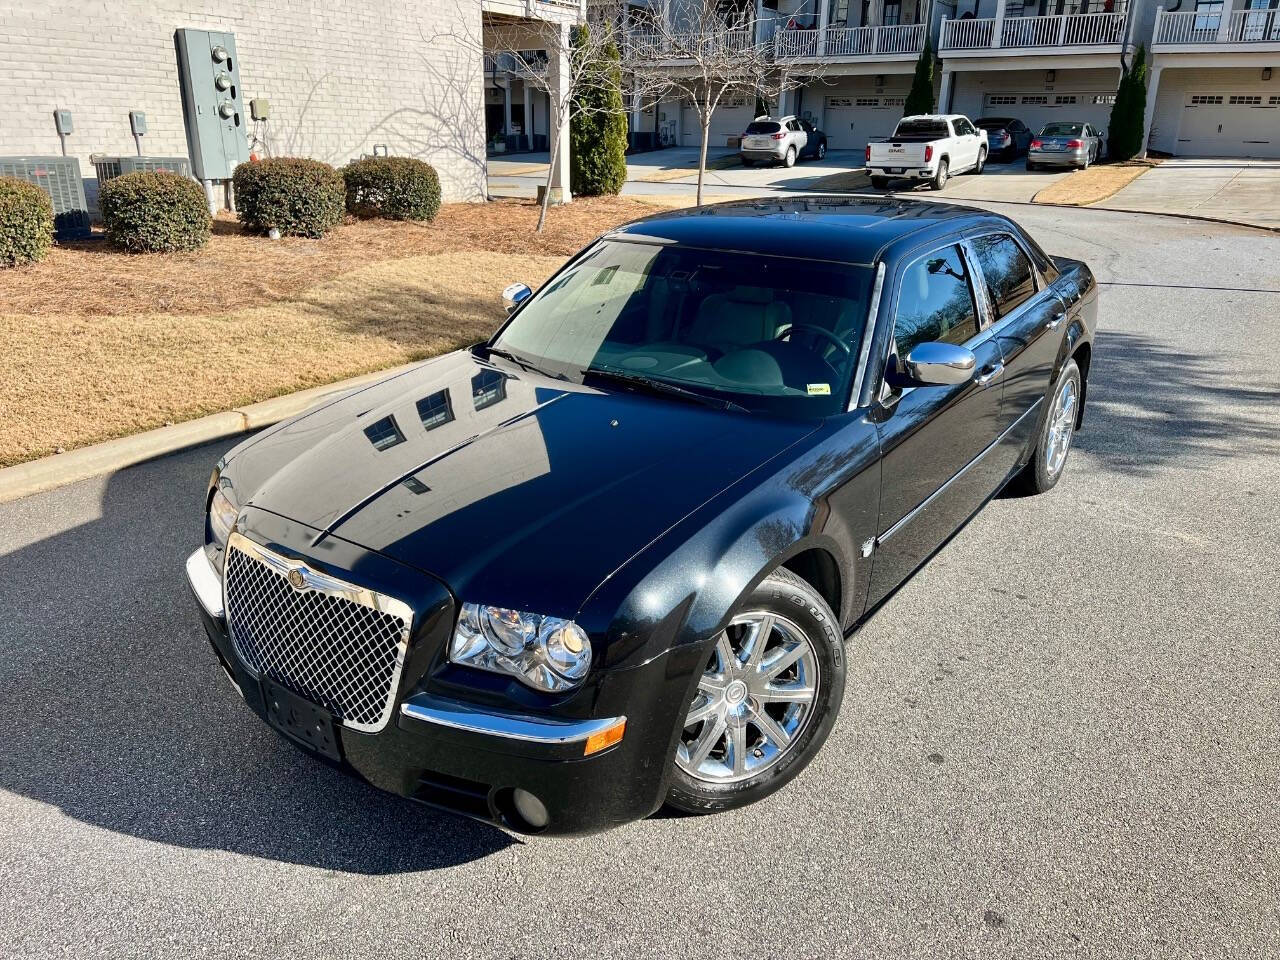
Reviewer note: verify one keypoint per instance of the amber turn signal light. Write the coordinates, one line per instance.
(605, 738)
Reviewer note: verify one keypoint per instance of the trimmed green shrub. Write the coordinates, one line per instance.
(1128, 113)
(920, 98)
(598, 129)
(398, 188)
(155, 212)
(26, 222)
(297, 196)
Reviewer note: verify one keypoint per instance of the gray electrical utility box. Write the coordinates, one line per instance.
(212, 106)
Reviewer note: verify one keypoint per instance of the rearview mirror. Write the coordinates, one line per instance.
(939, 364)
(515, 295)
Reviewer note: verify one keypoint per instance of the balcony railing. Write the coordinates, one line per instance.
(850, 42)
(1056, 30)
(684, 46)
(1239, 26)
(511, 63)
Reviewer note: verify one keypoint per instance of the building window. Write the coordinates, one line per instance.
(1273, 101)
(1205, 100)
(840, 15)
(1001, 100)
(435, 410)
(1063, 99)
(894, 101)
(1244, 101)
(867, 102)
(1208, 14)
(892, 13)
(384, 434)
(839, 102)
(1104, 98)
(488, 388)
(1035, 101)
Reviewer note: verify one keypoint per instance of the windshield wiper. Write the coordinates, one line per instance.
(520, 362)
(663, 387)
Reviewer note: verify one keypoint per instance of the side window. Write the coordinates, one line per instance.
(964, 128)
(792, 125)
(935, 302)
(1007, 272)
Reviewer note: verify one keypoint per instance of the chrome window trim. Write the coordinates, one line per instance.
(332, 586)
(868, 334)
(508, 726)
(911, 514)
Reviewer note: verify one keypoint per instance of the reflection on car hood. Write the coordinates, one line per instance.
(514, 489)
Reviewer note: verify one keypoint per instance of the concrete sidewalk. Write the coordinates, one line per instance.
(1243, 191)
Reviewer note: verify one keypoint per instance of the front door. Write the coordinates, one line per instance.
(933, 438)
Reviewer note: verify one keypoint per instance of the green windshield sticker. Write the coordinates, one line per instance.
(819, 389)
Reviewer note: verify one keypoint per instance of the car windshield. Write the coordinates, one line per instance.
(778, 335)
(764, 126)
(923, 128)
(1062, 130)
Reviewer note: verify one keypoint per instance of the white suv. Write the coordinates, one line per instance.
(782, 140)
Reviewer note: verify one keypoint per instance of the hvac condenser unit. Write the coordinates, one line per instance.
(109, 168)
(59, 177)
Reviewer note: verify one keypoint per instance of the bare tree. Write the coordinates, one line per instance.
(702, 52)
(560, 60)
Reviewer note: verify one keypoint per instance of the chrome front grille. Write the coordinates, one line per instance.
(329, 641)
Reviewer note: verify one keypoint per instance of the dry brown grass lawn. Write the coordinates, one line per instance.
(100, 344)
(1095, 184)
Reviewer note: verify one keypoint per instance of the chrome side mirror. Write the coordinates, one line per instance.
(939, 364)
(515, 295)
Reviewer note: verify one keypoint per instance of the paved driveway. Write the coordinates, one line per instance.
(1246, 191)
(1060, 740)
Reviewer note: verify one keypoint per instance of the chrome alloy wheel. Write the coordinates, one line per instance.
(754, 699)
(1062, 426)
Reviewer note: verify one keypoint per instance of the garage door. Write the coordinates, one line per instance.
(1226, 124)
(850, 121)
(1037, 109)
(729, 120)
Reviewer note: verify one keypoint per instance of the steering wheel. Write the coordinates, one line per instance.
(821, 332)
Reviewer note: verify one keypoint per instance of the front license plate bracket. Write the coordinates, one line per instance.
(300, 720)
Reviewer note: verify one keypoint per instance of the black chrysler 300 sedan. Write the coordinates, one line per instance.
(607, 559)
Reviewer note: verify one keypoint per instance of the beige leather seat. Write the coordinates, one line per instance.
(745, 315)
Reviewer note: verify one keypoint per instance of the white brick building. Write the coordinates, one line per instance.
(340, 77)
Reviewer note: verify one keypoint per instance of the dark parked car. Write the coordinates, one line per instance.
(1008, 138)
(608, 559)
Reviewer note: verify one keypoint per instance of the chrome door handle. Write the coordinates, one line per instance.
(1056, 322)
(989, 374)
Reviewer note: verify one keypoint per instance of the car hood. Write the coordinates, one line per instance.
(512, 488)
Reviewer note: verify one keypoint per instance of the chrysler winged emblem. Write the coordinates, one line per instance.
(296, 580)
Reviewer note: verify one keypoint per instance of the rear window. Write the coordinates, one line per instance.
(765, 126)
(937, 129)
(1063, 130)
(993, 124)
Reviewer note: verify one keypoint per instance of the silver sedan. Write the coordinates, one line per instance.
(1065, 144)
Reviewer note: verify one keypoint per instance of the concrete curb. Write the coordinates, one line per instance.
(47, 473)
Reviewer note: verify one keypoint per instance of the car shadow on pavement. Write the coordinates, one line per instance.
(1150, 406)
(115, 711)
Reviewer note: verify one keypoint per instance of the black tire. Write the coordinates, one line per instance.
(788, 598)
(880, 183)
(789, 160)
(982, 161)
(940, 178)
(1040, 475)
(822, 150)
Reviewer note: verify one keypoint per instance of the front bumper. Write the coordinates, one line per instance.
(471, 759)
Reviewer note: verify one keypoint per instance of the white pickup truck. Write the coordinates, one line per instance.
(927, 147)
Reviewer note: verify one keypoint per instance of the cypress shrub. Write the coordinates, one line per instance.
(398, 188)
(1128, 113)
(598, 129)
(26, 222)
(920, 99)
(297, 196)
(154, 212)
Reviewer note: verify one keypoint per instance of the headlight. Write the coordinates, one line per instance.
(222, 517)
(546, 653)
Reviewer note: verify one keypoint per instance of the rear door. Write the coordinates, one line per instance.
(1027, 320)
(933, 472)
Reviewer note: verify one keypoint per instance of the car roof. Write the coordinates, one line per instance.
(841, 228)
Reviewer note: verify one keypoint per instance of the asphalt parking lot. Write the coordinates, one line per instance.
(1061, 739)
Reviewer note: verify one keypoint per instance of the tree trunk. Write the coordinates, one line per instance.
(551, 172)
(702, 154)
